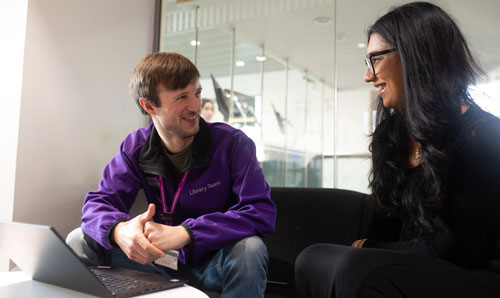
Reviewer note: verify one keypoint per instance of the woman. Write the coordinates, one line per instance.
(435, 176)
(207, 109)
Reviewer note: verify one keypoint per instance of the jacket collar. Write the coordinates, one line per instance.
(153, 160)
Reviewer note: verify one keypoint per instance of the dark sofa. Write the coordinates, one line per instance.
(307, 216)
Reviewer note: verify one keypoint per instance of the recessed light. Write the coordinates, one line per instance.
(240, 63)
(361, 45)
(195, 42)
(261, 58)
(323, 20)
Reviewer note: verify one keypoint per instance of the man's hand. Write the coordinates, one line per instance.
(166, 237)
(129, 235)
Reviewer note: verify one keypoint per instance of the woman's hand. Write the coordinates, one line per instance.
(358, 243)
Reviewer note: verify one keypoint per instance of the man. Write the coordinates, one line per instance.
(207, 194)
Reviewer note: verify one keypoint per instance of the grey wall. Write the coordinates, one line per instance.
(75, 106)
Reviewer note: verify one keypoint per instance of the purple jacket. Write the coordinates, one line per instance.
(225, 198)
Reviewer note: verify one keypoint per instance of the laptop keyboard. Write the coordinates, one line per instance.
(118, 284)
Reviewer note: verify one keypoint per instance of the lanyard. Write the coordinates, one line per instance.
(166, 215)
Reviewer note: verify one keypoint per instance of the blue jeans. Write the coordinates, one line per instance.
(238, 270)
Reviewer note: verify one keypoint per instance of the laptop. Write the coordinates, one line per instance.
(41, 252)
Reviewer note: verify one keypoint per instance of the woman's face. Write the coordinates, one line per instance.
(207, 111)
(388, 75)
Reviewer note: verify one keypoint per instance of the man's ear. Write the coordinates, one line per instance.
(147, 106)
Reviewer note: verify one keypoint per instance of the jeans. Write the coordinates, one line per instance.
(238, 270)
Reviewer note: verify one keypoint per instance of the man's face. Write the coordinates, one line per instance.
(178, 114)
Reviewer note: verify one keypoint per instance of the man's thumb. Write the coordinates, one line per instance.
(146, 216)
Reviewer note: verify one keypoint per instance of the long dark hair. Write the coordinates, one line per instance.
(437, 68)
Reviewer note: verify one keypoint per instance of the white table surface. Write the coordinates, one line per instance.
(19, 285)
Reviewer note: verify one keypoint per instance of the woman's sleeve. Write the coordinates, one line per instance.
(383, 228)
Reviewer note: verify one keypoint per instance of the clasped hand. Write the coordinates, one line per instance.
(144, 241)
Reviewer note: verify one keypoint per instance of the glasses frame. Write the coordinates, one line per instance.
(369, 62)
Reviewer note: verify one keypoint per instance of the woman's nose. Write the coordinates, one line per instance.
(368, 75)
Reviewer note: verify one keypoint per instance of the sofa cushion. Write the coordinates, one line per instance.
(306, 216)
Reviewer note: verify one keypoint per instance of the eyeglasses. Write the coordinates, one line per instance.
(368, 58)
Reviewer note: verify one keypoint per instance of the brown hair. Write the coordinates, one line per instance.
(170, 69)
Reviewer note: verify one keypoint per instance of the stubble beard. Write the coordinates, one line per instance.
(179, 132)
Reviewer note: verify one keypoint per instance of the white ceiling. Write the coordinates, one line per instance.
(287, 30)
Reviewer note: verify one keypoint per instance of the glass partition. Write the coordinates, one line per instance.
(274, 119)
(289, 73)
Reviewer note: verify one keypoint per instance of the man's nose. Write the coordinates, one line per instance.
(194, 104)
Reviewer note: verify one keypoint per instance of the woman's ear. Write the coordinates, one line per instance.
(147, 106)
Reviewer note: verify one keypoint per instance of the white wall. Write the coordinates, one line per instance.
(12, 36)
(75, 107)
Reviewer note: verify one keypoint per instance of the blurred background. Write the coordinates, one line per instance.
(290, 74)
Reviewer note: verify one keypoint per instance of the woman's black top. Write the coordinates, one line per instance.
(471, 209)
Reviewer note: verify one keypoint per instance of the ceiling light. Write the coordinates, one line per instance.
(361, 45)
(323, 20)
(240, 63)
(261, 58)
(195, 43)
